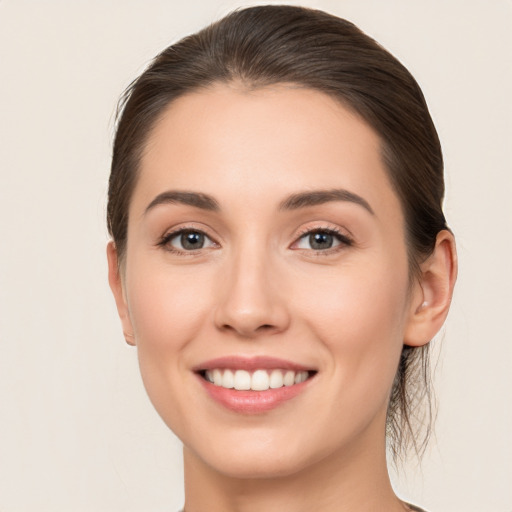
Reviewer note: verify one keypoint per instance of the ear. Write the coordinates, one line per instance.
(116, 285)
(432, 293)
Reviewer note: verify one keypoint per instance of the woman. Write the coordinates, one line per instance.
(280, 258)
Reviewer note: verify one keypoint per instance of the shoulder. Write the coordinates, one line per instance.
(414, 508)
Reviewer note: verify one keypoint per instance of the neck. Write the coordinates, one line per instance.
(355, 480)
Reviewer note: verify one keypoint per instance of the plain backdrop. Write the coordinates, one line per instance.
(77, 432)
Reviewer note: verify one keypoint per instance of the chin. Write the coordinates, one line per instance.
(258, 454)
(256, 465)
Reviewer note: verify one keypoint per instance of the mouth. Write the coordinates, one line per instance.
(257, 380)
(253, 385)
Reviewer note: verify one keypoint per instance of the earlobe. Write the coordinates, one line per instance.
(433, 292)
(116, 285)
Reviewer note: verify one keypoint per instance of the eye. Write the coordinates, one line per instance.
(322, 240)
(186, 240)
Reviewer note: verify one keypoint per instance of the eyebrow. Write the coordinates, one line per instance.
(196, 199)
(293, 202)
(317, 197)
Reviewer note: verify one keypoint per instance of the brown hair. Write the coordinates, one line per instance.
(266, 45)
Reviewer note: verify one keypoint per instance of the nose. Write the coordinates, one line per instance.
(251, 300)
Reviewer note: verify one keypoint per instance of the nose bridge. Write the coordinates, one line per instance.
(251, 302)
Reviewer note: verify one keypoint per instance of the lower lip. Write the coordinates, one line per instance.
(252, 402)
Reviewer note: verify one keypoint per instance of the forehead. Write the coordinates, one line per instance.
(246, 145)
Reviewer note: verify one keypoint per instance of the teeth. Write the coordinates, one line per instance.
(276, 379)
(242, 380)
(259, 380)
(300, 377)
(289, 378)
(217, 377)
(228, 379)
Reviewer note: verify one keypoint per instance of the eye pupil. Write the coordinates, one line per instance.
(321, 240)
(192, 240)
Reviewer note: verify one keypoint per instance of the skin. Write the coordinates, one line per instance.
(258, 288)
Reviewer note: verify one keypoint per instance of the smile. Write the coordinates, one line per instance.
(253, 385)
(258, 380)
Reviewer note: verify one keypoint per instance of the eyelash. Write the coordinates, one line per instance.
(164, 242)
(343, 239)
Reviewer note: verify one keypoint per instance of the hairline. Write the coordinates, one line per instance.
(245, 85)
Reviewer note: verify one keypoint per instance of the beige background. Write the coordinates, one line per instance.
(77, 432)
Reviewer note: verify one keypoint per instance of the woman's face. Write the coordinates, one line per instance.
(266, 246)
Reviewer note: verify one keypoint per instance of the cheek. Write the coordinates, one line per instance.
(165, 304)
(359, 316)
(168, 307)
(167, 310)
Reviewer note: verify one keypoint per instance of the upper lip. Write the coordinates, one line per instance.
(251, 363)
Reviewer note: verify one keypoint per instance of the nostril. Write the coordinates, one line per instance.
(265, 328)
(248, 331)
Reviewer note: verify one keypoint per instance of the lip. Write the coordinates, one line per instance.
(252, 402)
(251, 364)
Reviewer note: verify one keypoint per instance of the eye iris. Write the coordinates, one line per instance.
(320, 240)
(192, 240)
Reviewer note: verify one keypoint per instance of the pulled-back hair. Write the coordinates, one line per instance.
(266, 45)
